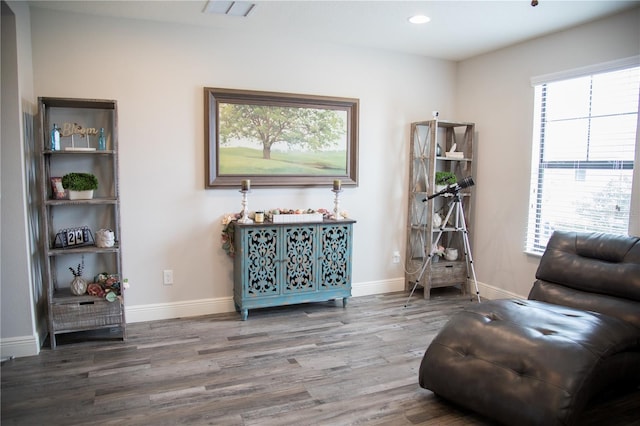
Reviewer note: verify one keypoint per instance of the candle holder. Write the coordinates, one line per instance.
(245, 208)
(336, 204)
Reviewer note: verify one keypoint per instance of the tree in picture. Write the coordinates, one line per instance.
(261, 139)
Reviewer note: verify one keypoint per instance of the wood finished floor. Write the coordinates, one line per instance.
(312, 364)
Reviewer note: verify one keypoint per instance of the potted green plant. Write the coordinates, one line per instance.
(80, 185)
(445, 178)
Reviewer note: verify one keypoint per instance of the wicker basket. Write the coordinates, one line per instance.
(86, 314)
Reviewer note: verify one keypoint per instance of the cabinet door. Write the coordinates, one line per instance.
(335, 259)
(300, 252)
(261, 263)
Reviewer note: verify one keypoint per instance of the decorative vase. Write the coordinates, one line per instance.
(55, 138)
(78, 286)
(102, 140)
(81, 195)
(451, 254)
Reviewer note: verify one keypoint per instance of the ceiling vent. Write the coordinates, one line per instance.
(232, 8)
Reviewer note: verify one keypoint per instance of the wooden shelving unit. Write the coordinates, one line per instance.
(426, 159)
(66, 311)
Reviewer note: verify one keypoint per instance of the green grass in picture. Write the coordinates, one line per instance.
(247, 161)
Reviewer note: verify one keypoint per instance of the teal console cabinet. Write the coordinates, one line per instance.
(287, 263)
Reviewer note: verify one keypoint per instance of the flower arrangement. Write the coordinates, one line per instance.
(108, 286)
(438, 250)
(228, 223)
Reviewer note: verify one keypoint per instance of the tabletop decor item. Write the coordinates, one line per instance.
(297, 216)
(451, 254)
(74, 237)
(276, 215)
(57, 190)
(105, 238)
(337, 189)
(55, 138)
(438, 252)
(74, 129)
(108, 286)
(245, 189)
(228, 223)
(78, 285)
(80, 185)
(453, 153)
(102, 140)
(445, 178)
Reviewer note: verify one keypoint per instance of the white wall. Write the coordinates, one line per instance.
(494, 90)
(17, 298)
(157, 72)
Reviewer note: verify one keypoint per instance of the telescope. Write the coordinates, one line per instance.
(453, 189)
(460, 225)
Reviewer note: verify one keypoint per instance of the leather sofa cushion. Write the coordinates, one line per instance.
(625, 309)
(593, 262)
(528, 362)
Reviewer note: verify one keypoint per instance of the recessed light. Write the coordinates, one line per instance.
(419, 19)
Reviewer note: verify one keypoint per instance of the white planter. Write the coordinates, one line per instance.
(81, 195)
(451, 254)
(105, 238)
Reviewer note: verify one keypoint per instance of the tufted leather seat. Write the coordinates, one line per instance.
(539, 362)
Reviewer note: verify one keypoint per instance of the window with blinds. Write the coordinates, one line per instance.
(583, 151)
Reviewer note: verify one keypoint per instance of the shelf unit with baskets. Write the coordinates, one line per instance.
(69, 227)
(430, 146)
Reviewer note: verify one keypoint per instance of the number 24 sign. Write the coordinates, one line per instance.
(74, 237)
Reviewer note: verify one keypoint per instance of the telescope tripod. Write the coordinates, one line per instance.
(460, 226)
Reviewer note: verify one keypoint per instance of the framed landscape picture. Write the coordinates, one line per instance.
(279, 139)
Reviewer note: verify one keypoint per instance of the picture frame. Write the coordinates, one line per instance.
(57, 190)
(279, 139)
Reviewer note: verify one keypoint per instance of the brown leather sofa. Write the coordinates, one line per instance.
(540, 361)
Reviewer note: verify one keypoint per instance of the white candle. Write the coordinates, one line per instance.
(337, 185)
(246, 185)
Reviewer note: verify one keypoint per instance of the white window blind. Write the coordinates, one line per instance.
(583, 151)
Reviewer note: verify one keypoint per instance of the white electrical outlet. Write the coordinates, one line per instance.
(167, 277)
(396, 257)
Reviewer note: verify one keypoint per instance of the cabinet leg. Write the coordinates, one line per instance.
(244, 314)
(344, 302)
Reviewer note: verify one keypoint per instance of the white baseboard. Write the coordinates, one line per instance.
(489, 292)
(182, 309)
(192, 308)
(19, 346)
(377, 287)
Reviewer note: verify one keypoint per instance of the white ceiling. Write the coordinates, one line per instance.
(458, 29)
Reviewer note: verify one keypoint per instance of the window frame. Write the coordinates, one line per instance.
(534, 232)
